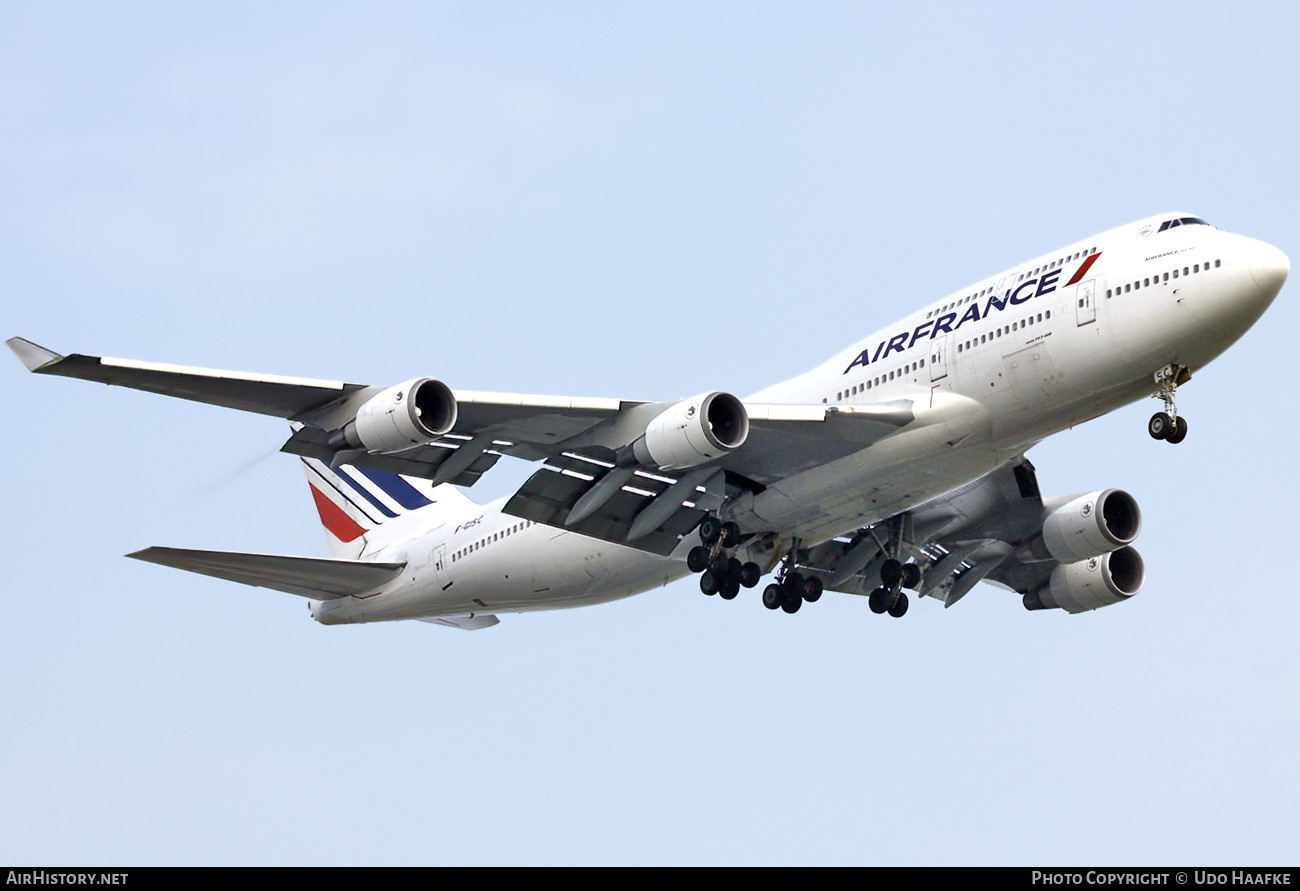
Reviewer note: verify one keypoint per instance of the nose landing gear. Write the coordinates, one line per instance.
(1167, 424)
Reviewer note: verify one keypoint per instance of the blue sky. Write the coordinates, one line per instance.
(646, 202)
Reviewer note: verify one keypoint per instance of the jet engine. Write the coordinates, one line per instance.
(1092, 583)
(693, 431)
(1089, 526)
(407, 415)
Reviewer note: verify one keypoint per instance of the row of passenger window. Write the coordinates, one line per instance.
(871, 383)
(1004, 330)
(1158, 278)
(876, 381)
(495, 536)
(1046, 267)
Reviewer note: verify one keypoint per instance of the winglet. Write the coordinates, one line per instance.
(34, 356)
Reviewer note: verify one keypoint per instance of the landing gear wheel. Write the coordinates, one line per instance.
(710, 530)
(911, 576)
(710, 582)
(791, 602)
(697, 560)
(772, 596)
(750, 573)
(730, 535)
(1179, 433)
(1160, 426)
(899, 607)
(879, 600)
(730, 588)
(812, 589)
(891, 572)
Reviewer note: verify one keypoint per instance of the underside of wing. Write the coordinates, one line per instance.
(319, 579)
(593, 492)
(453, 459)
(284, 397)
(1071, 552)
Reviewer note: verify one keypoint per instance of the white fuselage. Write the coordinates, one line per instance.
(989, 370)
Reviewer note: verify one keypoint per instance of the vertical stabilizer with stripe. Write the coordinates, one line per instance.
(364, 509)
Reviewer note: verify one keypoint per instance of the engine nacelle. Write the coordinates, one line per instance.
(1091, 525)
(407, 415)
(693, 431)
(1092, 583)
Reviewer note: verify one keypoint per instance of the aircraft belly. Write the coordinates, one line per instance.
(562, 570)
(578, 571)
(897, 473)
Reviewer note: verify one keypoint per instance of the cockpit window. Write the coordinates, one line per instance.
(1182, 221)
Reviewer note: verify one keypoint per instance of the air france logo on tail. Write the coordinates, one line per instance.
(352, 499)
(948, 322)
(339, 524)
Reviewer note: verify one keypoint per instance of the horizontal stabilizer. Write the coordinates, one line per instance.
(314, 577)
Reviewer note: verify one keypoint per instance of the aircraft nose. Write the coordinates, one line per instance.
(1269, 268)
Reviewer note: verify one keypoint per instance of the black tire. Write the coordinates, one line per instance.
(730, 588)
(898, 608)
(1179, 433)
(730, 535)
(772, 596)
(791, 603)
(710, 529)
(812, 589)
(891, 572)
(911, 576)
(710, 582)
(697, 560)
(1160, 425)
(879, 600)
(750, 574)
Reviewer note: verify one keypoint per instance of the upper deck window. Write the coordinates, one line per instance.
(1182, 221)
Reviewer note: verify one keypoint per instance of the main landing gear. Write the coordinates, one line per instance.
(792, 589)
(724, 574)
(889, 597)
(1167, 424)
(721, 573)
(895, 575)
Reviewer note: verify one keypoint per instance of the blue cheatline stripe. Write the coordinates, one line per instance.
(397, 488)
(325, 479)
(343, 474)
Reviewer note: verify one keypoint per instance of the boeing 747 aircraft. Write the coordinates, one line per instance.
(896, 466)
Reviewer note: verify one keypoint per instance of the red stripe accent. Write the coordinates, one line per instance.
(340, 525)
(1083, 270)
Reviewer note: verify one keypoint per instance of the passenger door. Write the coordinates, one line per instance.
(1085, 301)
(939, 358)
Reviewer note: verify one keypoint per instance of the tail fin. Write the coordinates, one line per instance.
(364, 509)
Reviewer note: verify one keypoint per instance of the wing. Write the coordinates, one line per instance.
(634, 472)
(588, 490)
(1070, 552)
